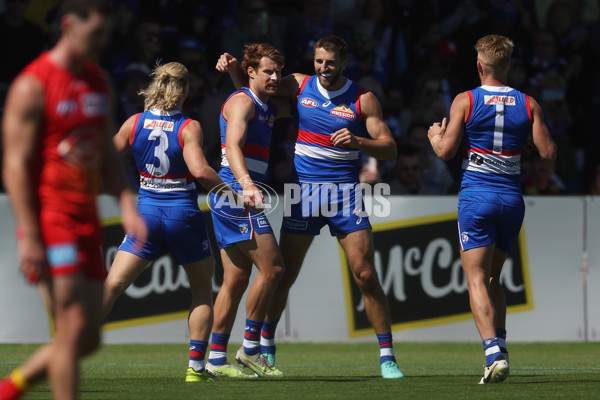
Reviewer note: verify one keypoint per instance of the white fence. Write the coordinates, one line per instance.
(549, 296)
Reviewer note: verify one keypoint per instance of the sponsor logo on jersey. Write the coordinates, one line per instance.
(327, 104)
(308, 102)
(496, 99)
(65, 107)
(271, 121)
(159, 124)
(94, 104)
(343, 111)
(476, 158)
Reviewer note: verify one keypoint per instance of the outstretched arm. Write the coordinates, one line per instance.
(381, 145)
(228, 63)
(445, 138)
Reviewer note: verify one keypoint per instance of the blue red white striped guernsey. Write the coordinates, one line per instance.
(319, 114)
(496, 130)
(158, 148)
(258, 139)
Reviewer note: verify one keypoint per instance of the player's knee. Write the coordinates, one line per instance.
(90, 342)
(367, 280)
(275, 273)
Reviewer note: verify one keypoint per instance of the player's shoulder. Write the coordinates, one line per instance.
(27, 88)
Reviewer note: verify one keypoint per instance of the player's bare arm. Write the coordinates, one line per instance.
(541, 136)
(115, 183)
(238, 111)
(192, 138)
(230, 64)
(122, 139)
(445, 137)
(381, 145)
(23, 113)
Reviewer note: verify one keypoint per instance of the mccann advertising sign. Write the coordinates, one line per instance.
(418, 263)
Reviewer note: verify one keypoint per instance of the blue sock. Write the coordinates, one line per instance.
(218, 348)
(252, 337)
(501, 334)
(492, 350)
(267, 337)
(197, 354)
(386, 347)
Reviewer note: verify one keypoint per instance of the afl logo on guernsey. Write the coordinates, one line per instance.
(343, 111)
(308, 102)
(495, 99)
(158, 124)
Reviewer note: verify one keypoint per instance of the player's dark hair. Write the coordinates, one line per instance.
(83, 8)
(333, 43)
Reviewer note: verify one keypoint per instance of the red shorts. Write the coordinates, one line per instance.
(73, 244)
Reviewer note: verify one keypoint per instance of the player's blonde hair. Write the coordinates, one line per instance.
(494, 51)
(167, 88)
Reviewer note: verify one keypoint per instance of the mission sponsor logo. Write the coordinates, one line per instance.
(308, 102)
(419, 267)
(343, 111)
(495, 100)
(158, 124)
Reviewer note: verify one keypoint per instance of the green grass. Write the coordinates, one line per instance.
(338, 371)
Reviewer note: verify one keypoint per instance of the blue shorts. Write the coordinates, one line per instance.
(180, 230)
(232, 224)
(314, 205)
(487, 218)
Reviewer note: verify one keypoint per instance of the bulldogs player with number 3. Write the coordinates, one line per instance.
(167, 149)
(497, 121)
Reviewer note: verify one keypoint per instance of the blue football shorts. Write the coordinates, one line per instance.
(487, 218)
(232, 224)
(314, 205)
(180, 230)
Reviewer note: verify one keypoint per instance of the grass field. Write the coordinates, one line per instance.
(338, 371)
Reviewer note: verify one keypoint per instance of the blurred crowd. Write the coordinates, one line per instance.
(414, 55)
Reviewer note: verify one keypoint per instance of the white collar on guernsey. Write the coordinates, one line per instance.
(496, 88)
(156, 111)
(262, 104)
(330, 95)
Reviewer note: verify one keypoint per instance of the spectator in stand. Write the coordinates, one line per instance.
(408, 173)
(434, 172)
(304, 29)
(146, 48)
(364, 61)
(540, 178)
(135, 78)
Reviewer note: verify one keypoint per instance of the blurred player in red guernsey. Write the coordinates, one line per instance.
(58, 156)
